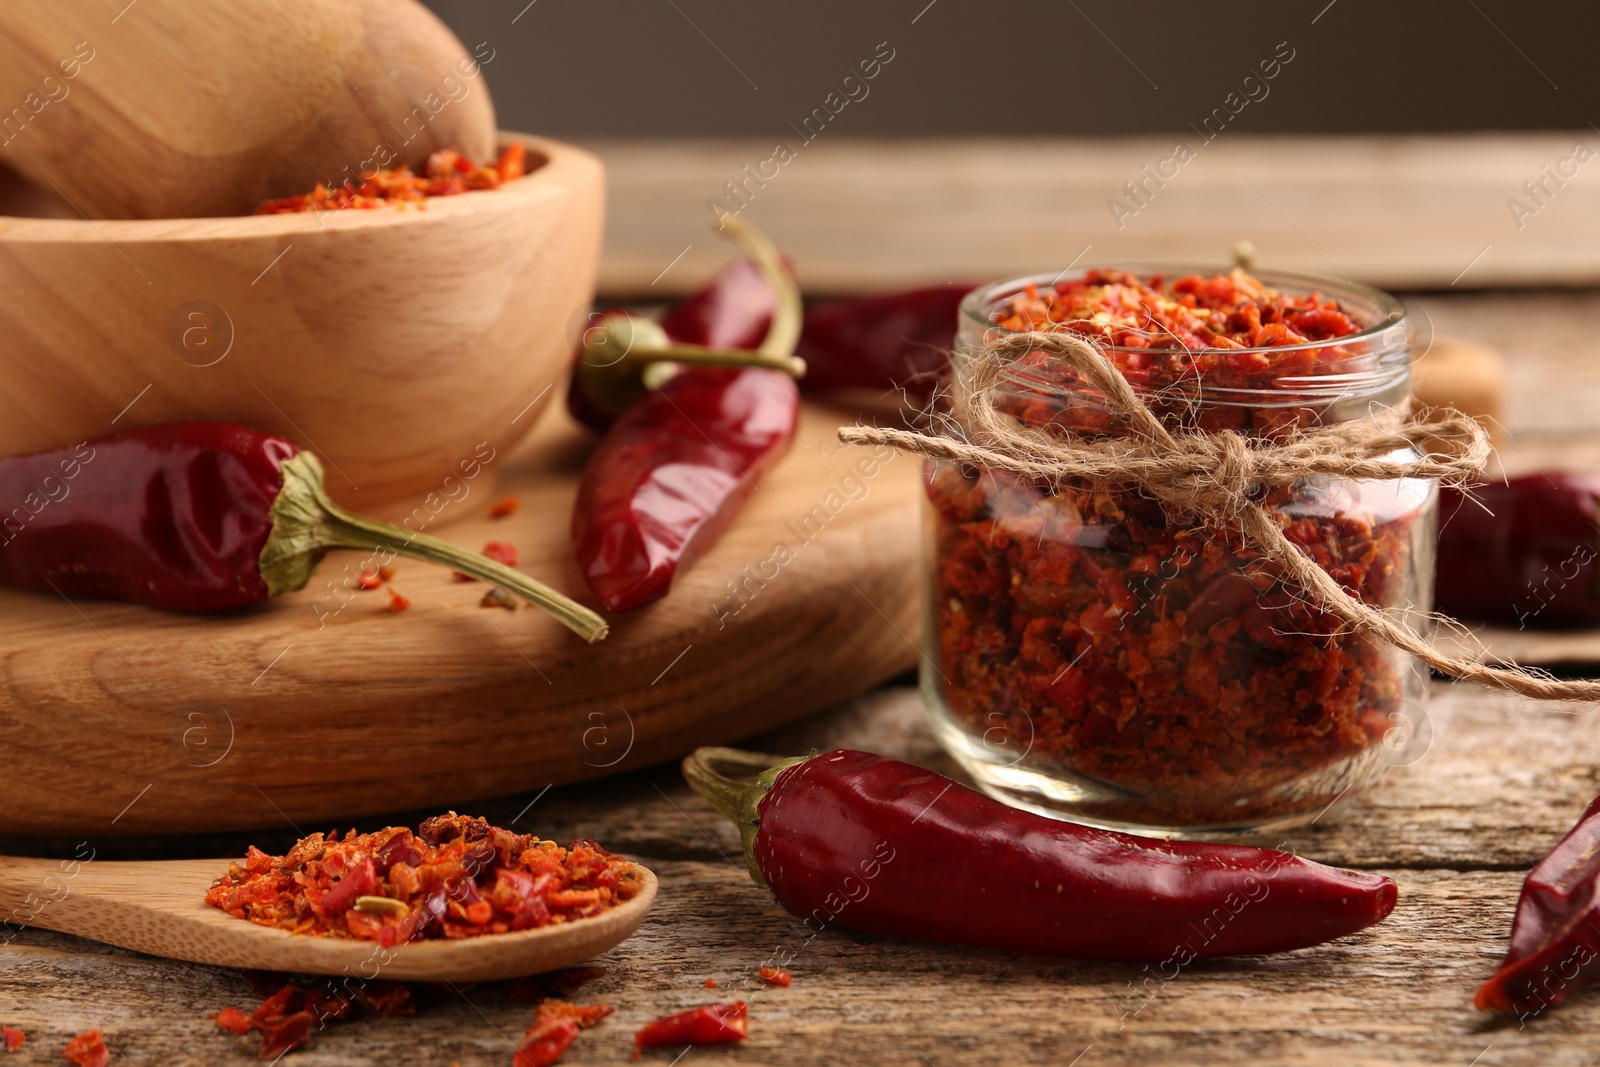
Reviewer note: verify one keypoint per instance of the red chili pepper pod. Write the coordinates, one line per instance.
(723, 324)
(681, 459)
(1555, 937)
(860, 842)
(1529, 556)
(892, 341)
(202, 517)
(710, 1024)
(670, 475)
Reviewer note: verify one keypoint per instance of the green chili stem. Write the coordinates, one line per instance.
(306, 524)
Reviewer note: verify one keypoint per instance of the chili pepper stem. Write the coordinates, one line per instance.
(738, 800)
(659, 362)
(306, 524)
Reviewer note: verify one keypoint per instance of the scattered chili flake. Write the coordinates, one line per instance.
(554, 1028)
(12, 1038)
(397, 602)
(775, 976)
(446, 173)
(501, 552)
(88, 1050)
(505, 506)
(1150, 654)
(458, 877)
(711, 1024)
(369, 580)
(711, 983)
(545, 1042)
(233, 1020)
(384, 998)
(497, 597)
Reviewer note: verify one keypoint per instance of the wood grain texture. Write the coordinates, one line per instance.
(324, 705)
(158, 907)
(1456, 830)
(1399, 212)
(183, 108)
(280, 323)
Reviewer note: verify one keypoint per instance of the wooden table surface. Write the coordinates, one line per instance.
(1499, 783)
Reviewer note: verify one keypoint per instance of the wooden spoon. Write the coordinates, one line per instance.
(173, 108)
(158, 907)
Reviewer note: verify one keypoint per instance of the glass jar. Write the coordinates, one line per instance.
(1092, 657)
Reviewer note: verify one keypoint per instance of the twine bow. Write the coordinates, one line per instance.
(1218, 476)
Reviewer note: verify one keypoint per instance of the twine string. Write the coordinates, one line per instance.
(1219, 477)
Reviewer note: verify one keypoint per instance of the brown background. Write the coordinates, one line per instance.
(668, 68)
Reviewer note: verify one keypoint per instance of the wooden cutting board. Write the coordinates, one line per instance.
(316, 710)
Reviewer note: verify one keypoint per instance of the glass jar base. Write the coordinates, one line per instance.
(1060, 794)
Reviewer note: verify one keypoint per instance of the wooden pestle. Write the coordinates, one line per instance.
(194, 108)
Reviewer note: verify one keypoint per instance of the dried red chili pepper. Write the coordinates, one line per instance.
(871, 844)
(455, 877)
(202, 517)
(897, 340)
(622, 356)
(775, 976)
(711, 1024)
(446, 173)
(1555, 936)
(88, 1050)
(504, 507)
(1529, 555)
(12, 1038)
(679, 464)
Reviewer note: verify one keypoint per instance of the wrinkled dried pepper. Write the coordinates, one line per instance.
(861, 842)
(1555, 936)
(202, 517)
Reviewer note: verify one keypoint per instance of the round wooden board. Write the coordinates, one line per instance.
(316, 710)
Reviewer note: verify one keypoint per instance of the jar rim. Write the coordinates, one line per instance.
(1389, 310)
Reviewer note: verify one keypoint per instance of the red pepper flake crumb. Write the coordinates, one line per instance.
(287, 1017)
(369, 580)
(554, 1028)
(397, 602)
(12, 1038)
(456, 876)
(501, 552)
(385, 573)
(711, 983)
(88, 1050)
(446, 173)
(711, 1024)
(233, 1020)
(504, 507)
(497, 597)
(1225, 311)
(775, 976)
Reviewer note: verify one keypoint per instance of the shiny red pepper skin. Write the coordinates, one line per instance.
(732, 310)
(866, 843)
(672, 472)
(1555, 937)
(1532, 559)
(711, 1024)
(171, 516)
(889, 342)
